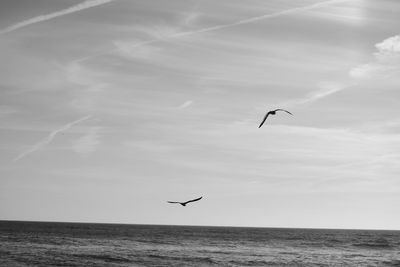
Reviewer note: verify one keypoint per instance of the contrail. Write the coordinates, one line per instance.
(84, 5)
(221, 26)
(49, 138)
(253, 19)
(325, 90)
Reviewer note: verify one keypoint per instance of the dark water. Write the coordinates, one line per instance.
(76, 244)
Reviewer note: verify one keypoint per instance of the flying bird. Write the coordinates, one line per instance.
(272, 112)
(184, 203)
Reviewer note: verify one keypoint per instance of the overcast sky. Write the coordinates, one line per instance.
(110, 108)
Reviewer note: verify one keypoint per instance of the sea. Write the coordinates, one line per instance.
(89, 244)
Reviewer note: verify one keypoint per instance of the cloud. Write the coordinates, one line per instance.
(45, 141)
(133, 50)
(190, 18)
(7, 110)
(325, 89)
(386, 61)
(90, 84)
(186, 104)
(220, 27)
(258, 18)
(84, 5)
(353, 14)
(157, 31)
(360, 71)
(389, 45)
(87, 143)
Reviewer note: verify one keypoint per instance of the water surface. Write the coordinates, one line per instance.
(84, 244)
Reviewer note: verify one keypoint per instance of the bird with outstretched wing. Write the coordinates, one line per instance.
(186, 202)
(272, 112)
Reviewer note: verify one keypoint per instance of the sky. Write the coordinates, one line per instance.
(110, 108)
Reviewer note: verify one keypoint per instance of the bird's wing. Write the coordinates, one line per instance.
(283, 110)
(193, 200)
(265, 117)
(173, 202)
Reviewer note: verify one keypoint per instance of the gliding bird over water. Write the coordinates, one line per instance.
(184, 203)
(272, 112)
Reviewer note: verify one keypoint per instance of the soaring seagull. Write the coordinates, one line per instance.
(184, 203)
(272, 112)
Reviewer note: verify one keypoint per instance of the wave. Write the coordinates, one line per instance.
(377, 244)
(216, 251)
(204, 260)
(103, 257)
(261, 263)
(392, 263)
(155, 242)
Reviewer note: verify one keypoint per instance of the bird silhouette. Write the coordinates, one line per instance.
(184, 203)
(272, 112)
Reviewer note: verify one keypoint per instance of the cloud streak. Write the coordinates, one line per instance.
(325, 89)
(87, 144)
(258, 18)
(84, 5)
(186, 104)
(219, 27)
(45, 141)
(386, 63)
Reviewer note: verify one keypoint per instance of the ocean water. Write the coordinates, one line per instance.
(80, 244)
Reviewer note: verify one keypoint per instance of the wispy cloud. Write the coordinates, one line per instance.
(84, 5)
(219, 27)
(350, 14)
(45, 141)
(386, 60)
(186, 104)
(257, 18)
(325, 89)
(90, 83)
(7, 110)
(87, 143)
(130, 50)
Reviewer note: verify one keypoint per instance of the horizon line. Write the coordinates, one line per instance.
(187, 225)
